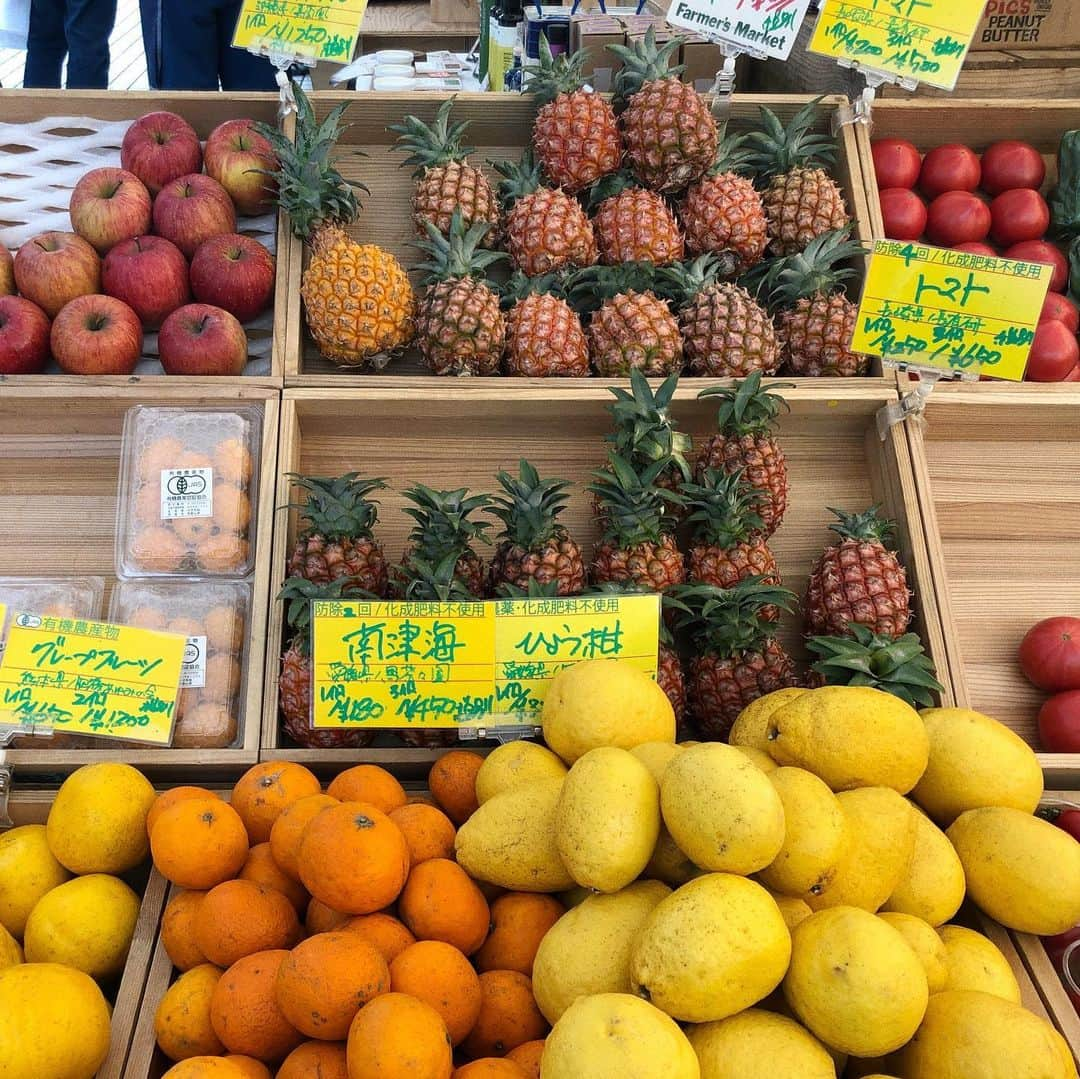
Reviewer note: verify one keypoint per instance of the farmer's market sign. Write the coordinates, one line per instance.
(757, 27)
(324, 30)
(960, 313)
(483, 664)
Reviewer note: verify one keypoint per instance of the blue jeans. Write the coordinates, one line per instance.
(77, 29)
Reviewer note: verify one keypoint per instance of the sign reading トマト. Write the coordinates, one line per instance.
(91, 678)
(758, 27)
(960, 313)
(924, 40)
(482, 664)
(322, 30)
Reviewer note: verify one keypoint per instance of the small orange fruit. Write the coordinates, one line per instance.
(252, 1068)
(223, 552)
(368, 783)
(527, 1056)
(354, 858)
(399, 1037)
(490, 1068)
(232, 461)
(182, 1021)
(197, 844)
(161, 454)
(315, 1060)
(509, 1016)
(239, 918)
(262, 792)
(244, 1009)
(389, 935)
(159, 550)
(441, 902)
(261, 868)
(170, 798)
(519, 921)
(326, 980)
(289, 828)
(178, 930)
(206, 1068)
(428, 831)
(439, 975)
(323, 919)
(453, 783)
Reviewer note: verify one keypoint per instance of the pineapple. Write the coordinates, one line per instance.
(544, 336)
(545, 229)
(669, 132)
(575, 133)
(801, 200)
(735, 657)
(445, 181)
(858, 581)
(294, 682)
(633, 224)
(534, 546)
(338, 541)
(460, 327)
(357, 297)
(744, 442)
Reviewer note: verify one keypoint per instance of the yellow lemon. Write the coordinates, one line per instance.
(757, 1042)
(972, 961)
(513, 765)
(751, 726)
(10, 952)
(926, 944)
(27, 871)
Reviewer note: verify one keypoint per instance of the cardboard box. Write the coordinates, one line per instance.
(463, 13)
(702, 59)
(1029, 24)
(595, 32)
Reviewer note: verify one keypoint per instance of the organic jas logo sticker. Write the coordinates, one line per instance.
(191, 485)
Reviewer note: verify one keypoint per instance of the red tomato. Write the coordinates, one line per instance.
(1050, 654)
(957, 217)
(1019, 215)
(1055, 946)
(949, 168)
(1043, 251)
(896, 163)
(1054, 354)
(977, 249)
(904, 214)
(1058, 308)
(1068, 820)
(1009, 164)
(1059, 729)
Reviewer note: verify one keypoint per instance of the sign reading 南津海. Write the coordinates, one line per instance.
(959, 313)
(758, 27)
(91, 678)
(924, 40)
(325, 30)
(482, 664)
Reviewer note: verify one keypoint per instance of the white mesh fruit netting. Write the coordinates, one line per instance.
(40, 164)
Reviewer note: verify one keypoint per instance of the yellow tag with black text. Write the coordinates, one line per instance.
(326, 30)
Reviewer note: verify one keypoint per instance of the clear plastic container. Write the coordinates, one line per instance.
(188, 487)
(214, 616)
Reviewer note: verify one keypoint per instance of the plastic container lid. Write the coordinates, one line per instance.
(393, 56)
(389, 70)
(59, 597)
(188, 490)
(393, 82)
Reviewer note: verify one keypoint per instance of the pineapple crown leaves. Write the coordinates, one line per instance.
(645, 62)
(607, 187)
(555, 75)
(458, 254)
(776, 149)
(444, 524)
(733, 154)
(519, 285)
(338, 506)
(682, 281)
(519, 178)
(895, 665)
(644, 431)
(728, 622)
(635, 507)
(432, 145)
(724, 509)
(814, 270)
(298, 593)
(866, 527)
(747, 408)
(535, 590)
(530, 508)
(591, 286)
(432, 580)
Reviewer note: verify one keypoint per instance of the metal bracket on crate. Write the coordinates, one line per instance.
(282, 62)
(861, 109)
(7, 775)
(723, 88)
(913, 403)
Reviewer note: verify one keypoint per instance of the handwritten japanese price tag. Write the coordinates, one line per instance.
(761, 27)
(925, 40)
(959, 313)
(322, 30)
(91, 678)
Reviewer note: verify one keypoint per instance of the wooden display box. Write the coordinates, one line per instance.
(501, 128)
(79, 145)
(1000, 498)
(463, 431)
(1038, 74)
(59, 466)
(32, 807)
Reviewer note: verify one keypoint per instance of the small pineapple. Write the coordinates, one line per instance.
(575, 134)
(545, 228)
(801, 200)
(338, 540)
(534, 546)
(544, 336)
(858, 581)
(735, 656)
(445, 181)
(744, 443)
(460, 327)
(669, 132)
(633, 224)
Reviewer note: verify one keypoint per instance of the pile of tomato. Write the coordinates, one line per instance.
(989, 205)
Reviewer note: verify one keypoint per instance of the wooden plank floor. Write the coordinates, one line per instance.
(128, 67)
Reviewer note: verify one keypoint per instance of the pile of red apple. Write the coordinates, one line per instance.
(149, 238)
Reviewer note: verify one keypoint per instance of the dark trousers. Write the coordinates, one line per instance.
(189, 47)
(77, 29)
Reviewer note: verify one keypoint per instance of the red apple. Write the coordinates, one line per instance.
(55, 267)
(202, 340)
(7, 272)
(160, 147)
(237, 156)
(234, 272)
(24, 337)
(190, 210)
(150, 275)
(110, 205)
(96, 335)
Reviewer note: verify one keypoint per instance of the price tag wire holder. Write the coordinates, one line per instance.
(861, 108)
(501, 734)
(913, 403)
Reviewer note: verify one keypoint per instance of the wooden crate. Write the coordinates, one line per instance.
(501, 127)
(1039, 74)
(1000, 501)
(31, 806)
(465, 430)
(204, 111)
(59, 460)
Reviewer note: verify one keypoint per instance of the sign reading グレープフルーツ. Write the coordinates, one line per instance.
(759, 27)
(395, 665)
(325, 30)
(959, 313)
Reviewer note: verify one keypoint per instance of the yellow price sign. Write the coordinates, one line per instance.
(959, 313)
(924, 40)
(324, 30)
(91, 678)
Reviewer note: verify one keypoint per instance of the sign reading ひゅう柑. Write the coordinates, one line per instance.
(757, 27)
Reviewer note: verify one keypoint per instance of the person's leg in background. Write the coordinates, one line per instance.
(239, 69)
(87, 26)
(187, 37)
(150, 19)
(46, 45)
